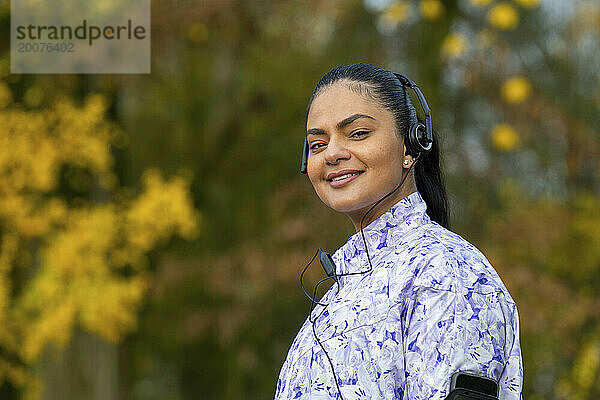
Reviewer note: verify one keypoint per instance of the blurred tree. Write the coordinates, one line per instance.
(227, 100)
(517, 105)
(73, 243)
(514, 93)
(478, 65)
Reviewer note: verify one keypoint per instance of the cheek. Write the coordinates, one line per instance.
(313, 173)
(386, 163)
(386, 173)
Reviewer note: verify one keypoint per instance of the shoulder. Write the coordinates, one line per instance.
(441, 259)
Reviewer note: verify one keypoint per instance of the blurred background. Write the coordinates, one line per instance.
(153, 227)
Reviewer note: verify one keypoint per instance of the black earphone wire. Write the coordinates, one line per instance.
(335, 276)
(312, 299)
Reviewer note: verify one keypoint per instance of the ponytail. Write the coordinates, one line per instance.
(430, 184)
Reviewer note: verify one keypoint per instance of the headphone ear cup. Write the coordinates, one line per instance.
(304, 163)
(413, 148)
(418, 140)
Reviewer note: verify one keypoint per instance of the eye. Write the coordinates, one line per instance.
(359, 134)
(316, 146)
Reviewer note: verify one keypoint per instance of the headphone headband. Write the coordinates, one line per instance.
(420, 137)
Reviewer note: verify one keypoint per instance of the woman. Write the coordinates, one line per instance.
(413, 302)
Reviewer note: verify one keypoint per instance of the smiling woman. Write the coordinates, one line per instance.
(361, 145)
(413, 303)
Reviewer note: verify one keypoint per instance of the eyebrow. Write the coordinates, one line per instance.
(340, 125)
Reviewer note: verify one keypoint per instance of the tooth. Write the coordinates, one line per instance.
(344, 176)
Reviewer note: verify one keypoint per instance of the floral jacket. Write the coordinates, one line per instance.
(431, 306)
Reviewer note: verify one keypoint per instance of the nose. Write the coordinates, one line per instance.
(335, 151)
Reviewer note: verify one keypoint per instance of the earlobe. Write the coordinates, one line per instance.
(407, 159)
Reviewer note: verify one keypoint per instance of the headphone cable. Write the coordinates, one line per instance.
(335, 276)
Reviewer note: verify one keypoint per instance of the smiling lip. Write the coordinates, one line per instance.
(352, 174)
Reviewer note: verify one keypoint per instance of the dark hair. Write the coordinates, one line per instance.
(383, 87)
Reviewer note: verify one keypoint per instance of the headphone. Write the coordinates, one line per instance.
(419, 138)
(419, 142)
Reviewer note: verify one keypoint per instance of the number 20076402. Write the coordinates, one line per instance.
(44, 47)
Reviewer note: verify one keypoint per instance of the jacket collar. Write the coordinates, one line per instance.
(383, 232)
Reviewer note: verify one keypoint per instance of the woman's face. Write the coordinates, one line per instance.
(355, 157)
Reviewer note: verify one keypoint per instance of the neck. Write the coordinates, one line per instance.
(357, 216)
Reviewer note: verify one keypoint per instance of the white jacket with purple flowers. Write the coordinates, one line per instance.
(431, 306)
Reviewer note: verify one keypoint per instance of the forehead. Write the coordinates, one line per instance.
(337, 102)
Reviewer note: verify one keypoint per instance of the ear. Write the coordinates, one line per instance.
(406, 159)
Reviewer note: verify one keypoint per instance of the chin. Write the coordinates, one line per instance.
(346, 203)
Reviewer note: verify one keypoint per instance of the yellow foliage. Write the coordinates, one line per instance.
(504, 137)
(397, 12)
(81, 247)
(549, 250)
(51, 323)
(109, 305)
(516, 89)
(431, 9)
(504, 16)
(583, 373)
(33, 145)
(454, 45)
(74, 253)
(16, 374)
(586, 366)
(33, 96)
(197, 32)
(162, 210)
